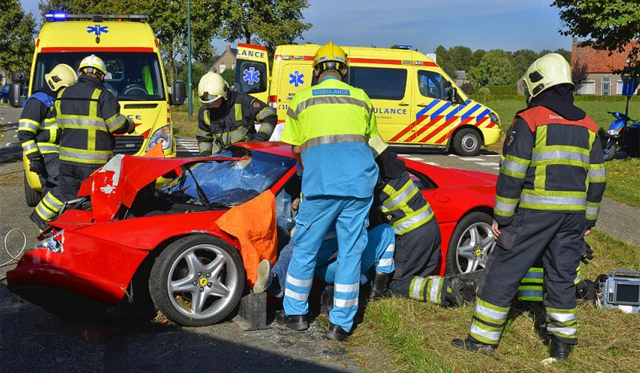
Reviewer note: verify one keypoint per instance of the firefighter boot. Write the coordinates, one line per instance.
(473, 346)
(453, 292)
(379, 287)
(558, 350)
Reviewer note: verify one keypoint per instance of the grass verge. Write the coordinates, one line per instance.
(416, 336)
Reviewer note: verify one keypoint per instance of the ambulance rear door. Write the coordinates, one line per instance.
(252, 71)
(292, 73)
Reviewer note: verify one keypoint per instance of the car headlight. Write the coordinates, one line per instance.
(162, 135)
(53, 243)
(494, 118)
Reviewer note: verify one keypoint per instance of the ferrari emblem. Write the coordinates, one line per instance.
(478, 252)
(203, 281)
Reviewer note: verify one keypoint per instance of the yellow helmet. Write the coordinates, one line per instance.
(211, 87)
(330, 56)
(60, 76)
(91, 64)
(547, 71)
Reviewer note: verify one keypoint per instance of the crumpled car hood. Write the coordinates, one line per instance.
(119, 181)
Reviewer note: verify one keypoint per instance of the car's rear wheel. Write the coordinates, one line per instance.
(197, 280)
(31, 196)
(467, 142)
(471, 243)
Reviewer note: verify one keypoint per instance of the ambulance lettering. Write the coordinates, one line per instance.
(250, 53)
(384, 111)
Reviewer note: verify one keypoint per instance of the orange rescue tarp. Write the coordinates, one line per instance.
(254, 225)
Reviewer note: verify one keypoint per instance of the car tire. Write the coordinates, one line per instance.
(471, 243)
(467, 142)
(31, 196)
(197, 280)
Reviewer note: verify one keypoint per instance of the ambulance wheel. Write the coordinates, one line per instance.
(471, 243)
(467, 142)
(197, 280)
(33, 197)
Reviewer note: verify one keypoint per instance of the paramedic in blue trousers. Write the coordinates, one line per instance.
(39, 134)
(328, 126)
(548, 194)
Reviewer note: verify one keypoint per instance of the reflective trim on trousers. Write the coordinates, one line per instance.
(435, 289)
(301, 283)
(485, 336)
(345, 303)
(332, 139)
(417, 285)
(298, 296)
(345, 288)
(483, 308)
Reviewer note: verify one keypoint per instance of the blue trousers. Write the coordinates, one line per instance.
(378, 255)
(315, 217)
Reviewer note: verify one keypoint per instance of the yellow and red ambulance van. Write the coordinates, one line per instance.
(416, 102)
(135, 75)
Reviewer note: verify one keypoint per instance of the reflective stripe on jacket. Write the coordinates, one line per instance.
(551, 164)
(88, 115)
(37, 128)
(403, 205)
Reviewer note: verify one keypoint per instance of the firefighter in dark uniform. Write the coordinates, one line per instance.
(39, 134)
(551, 182)
(227, 117)
(400, 203)
(89, 116)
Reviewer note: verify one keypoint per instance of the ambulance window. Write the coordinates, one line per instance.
(251, 76)
(385, 84)
(434, 85)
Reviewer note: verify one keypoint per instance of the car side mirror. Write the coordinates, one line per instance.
(179, 95)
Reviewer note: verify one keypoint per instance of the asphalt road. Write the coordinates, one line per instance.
(33, 340)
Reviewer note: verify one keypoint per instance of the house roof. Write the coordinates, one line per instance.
(599, 61)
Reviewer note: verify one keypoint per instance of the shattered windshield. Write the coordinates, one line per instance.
(230, 179)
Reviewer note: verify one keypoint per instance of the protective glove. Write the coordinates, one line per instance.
(132, 125)
(36, 165)
(261, 136)
(587, 254)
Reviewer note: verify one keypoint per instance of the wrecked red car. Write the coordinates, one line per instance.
(190, 246)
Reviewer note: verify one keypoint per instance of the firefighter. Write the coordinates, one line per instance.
(417, 253)
(548, 194)
(227, 117)
(89, 116)
(328, 126)
(38, 132)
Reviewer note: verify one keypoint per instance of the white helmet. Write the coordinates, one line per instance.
(547, 71)
(61, 75)
(91, 64)
(212, 86)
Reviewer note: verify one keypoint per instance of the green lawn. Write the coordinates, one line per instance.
(415, 337)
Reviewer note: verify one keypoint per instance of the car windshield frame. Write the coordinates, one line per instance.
(229, 179)
(131, 76)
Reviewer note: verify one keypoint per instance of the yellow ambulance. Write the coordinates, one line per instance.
(416, 103)
(135, 75)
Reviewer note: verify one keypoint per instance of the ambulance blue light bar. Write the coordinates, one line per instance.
(405, 46)
(62, 16)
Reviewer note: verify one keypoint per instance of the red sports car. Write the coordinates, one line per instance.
(164, 248)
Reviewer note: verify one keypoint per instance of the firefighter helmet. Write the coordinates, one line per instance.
(92, 64)
(211, 87)
(330, 56)
(60, 76)
(547, 71)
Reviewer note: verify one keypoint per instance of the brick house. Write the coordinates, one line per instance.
(601, 81)
(226, 61)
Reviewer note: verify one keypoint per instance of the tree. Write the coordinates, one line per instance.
(16, 36)
(461, 57)
(522, 59)
(168, 18)
(579, 74)
(495, 68)
(266, 22)
(603, 24)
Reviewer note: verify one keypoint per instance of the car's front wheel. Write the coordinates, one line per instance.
(197, 280)
(471, 243)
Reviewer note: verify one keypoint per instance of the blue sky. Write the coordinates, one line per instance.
(425, 24)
